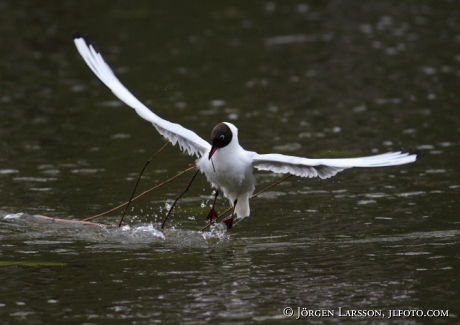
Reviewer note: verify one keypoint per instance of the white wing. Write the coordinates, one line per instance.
(188, 140)
(325, 168)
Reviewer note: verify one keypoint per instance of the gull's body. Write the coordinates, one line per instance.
(226, 165)
(231, 170)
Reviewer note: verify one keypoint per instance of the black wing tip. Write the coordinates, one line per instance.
(88, 41)
(76, 35)
(93, 44)
(418, 154)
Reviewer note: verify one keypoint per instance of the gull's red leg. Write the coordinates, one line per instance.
(229, 221)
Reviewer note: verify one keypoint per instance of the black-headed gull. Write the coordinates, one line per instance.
(226, 165)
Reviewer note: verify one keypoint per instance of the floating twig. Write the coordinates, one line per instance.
(37, 218)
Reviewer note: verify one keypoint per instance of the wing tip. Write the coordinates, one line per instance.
(412, 152)
(77, 35)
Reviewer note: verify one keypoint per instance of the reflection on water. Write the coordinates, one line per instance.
(328, 79)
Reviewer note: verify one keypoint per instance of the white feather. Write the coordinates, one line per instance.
(325, 168)
(188, 140)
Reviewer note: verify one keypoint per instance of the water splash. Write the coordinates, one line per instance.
(144, 230)
(38, 230)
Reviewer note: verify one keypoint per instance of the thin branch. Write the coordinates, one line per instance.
(140, 195)
(274, 184)
(138, 180)
(177, 199)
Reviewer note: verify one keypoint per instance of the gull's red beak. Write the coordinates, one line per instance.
(211, 153)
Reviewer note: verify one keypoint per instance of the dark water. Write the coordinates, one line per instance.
(315, 79)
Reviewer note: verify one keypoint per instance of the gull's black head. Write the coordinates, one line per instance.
(221, 136)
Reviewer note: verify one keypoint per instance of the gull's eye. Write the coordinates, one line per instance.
(222, 137)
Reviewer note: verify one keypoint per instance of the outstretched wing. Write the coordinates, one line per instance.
(325, 168)
(188, 140)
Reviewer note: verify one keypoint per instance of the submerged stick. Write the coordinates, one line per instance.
(254, 196)
(138, 180)
(37, 218)
(177, 199)
(140, 195)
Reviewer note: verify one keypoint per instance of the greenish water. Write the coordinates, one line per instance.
(314, 79)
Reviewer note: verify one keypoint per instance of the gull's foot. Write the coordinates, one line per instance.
(212, 215)
(229, 223)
